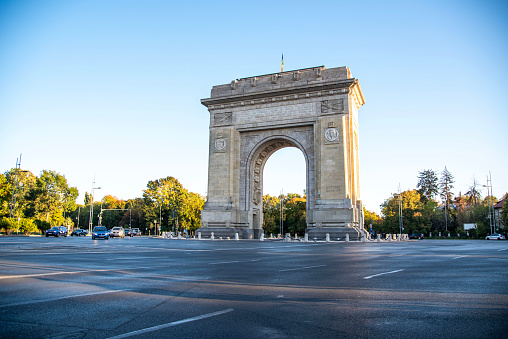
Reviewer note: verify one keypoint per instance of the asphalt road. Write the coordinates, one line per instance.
(143, 287)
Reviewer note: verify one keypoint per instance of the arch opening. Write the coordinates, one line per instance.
(284, 187)
(258, 160)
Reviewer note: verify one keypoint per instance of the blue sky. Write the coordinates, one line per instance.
(112, 89)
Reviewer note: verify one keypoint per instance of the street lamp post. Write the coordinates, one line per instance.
(90, 222)
(492, 221)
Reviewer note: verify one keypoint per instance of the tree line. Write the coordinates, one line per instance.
(31, 204)
(418, 210)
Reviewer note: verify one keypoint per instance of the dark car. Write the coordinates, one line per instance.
(57, 231)
(100, 232)
(416, 236)
(79, 232)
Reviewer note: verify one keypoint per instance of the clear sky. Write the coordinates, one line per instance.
(111, 89)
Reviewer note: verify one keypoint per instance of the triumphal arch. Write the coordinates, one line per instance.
(313, 109)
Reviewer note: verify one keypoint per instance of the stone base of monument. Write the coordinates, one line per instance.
(218, 232)
(336, 233)
(225, 232)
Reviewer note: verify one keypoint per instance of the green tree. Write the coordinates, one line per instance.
(168, 200)
(271, 215)
(445, 187)
(371, 218)
(111, 211)
(427, 184)
(51, 198)
(473, 195)
(26, 181)
(5, 196)
(295, 215)
(136, 216)
(504, 212)
(412, 216)
(27, 225)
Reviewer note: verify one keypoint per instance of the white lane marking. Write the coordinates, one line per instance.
(175, 323)
(377, 275)
(232, 262)
(504, 249)
(75, 272)
(460, 256)
(49, 273)
(60, 298)
(301, 268)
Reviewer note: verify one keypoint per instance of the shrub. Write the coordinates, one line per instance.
(27, 225)
(8, 224)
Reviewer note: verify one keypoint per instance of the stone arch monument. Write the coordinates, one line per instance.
(312, 109)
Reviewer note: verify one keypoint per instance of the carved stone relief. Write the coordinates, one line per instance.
(332, 106)
(332, 134)
(220, 144)
(223, 119)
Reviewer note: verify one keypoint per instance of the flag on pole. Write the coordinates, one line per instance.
(282, 63)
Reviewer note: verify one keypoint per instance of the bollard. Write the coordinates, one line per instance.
(378, 238)
(237, 237)
(347, 236)
(288, 236)
(364, 239)
(212, 236)
(327, 237)
(199, 235)
(306, 239)
(262, 237)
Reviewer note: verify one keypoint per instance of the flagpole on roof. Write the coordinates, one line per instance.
(282, 63)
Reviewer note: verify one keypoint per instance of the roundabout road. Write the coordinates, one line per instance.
(151, 288)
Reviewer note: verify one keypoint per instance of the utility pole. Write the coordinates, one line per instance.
(281, 226)
(401, 223)
(90, 222)
(15, 188)
(492, 223)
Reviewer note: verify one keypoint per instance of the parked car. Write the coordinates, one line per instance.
(57, 231)
(416, 236)
(100, 232)
(128, 232)
(79, 232)
(495, 236)
(136, 231)
(118, 232)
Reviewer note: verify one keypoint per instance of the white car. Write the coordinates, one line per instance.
(495, 236)
(117, 232)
